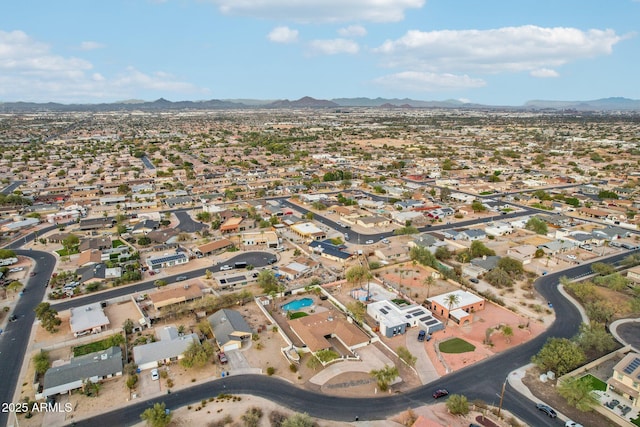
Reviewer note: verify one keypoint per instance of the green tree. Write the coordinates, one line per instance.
(451, 300)
(405, 355)
(478, 250)
(559, 355)
(157, 416)
(511, 266)
(7, 253)
(594, 336)
(423, 256)
(47, 316)
(197, 355)
(600, 311)
(578, 393)
(128, 326)
(507, 331)
(14, 286)
(70, 243)
(267, 281)
(499, 278)
(203, 216)
(358, 274)
(602, 268)
(41, 362)
(159, 283)
(385, 376)
(477, 206)
(443, 253)
(298, 420)
(537, 225)
(458, 404)
(252, 417)
(406, 230)
(358, 310)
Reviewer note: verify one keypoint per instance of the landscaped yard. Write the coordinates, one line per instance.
(297, 315)
(92, 347)
(596, 383)
(455, 346)
(117, 243)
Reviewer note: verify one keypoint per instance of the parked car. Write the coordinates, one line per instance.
(368, 242)
(225, 267)
(440, 393)
(33, 273)
(547, 410)
(570, 423)
(13, 318)
(181, 278)
(222, 358)
(474, 280)
(422, 335)
(16, 269)
(155, 375)
(573, 257)
(385, 240)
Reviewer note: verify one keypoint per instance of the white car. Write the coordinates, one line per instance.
(368, 242)
(572, 257)
(226, 267)
(154, 375)
(570, 423)
(16, 269)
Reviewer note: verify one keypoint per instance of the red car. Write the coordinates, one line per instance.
(440, 393)
(223, 358)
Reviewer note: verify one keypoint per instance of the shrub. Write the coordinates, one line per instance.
(271, 370)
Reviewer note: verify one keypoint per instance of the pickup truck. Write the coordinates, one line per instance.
(222, 358)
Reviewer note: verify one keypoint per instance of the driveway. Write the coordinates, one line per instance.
(370, 358)
(146, 386)
(424, 366)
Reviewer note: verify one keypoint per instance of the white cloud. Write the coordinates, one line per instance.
(30, 71)
(89, 45)
(428, 82)
(334, 46)
(544, 73)
(321, 10)
(524, 48)
(353, 31)
(283, 35)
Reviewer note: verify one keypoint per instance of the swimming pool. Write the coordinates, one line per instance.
(297, 304)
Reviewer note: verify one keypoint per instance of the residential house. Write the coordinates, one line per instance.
(462, 311)
(391, 252)
(308, 231)
(88, 319)
(393, 319)
(230, 329)
(557, 246)
(164, 261)
(471, 234)
(634, 274)
(485, 263)
(169, 348)
(94, 367)
(298, 268)
(99, 243)
(498, 228)
(374, 221)
(626, 378)
(317, 330)
(145, 226)
(523, 253)
(175, 294)
(328, 250)
(214, 247)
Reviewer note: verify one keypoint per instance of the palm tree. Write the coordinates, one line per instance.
(451, 300)
(428, 282)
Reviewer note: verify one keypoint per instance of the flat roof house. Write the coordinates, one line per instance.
(626, 378)
(393, 319)
(460, 312)
(164, 261)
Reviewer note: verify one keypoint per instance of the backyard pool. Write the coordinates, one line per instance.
(297, 304)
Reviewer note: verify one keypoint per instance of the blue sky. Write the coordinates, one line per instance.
(486, 51)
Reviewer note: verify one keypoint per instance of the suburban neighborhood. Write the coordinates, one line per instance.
(363, 252)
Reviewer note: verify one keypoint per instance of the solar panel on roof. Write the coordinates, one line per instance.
(432, 322)
(383, 311)
(632, 366)
(417, 310)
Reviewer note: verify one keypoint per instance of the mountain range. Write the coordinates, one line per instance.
(605, 104)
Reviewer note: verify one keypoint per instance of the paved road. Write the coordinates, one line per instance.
(257, 259)
(15, 338)
(9, 188)
(481, 381)
(187, 224)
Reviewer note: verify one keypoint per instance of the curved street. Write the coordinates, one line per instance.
(481, 381)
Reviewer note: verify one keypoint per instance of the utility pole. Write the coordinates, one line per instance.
(504, 385)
